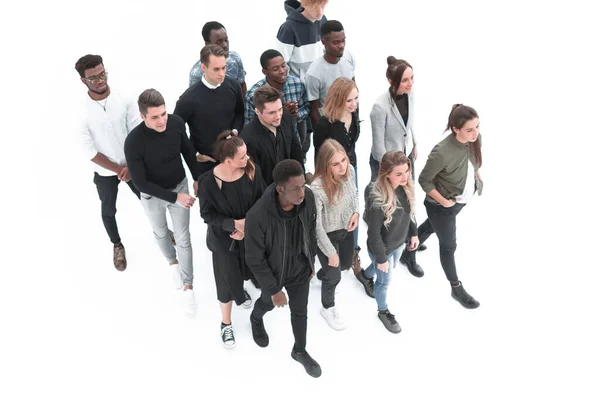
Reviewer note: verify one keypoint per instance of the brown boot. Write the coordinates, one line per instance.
(356, 268)
(172, 238)
(119, 258)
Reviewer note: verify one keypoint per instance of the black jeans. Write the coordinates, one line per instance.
(298, 302)
(442, 221)
(304, 132)
(108, 186)
(343, 241)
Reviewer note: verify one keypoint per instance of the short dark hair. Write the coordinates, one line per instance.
(211, 49)
(208, 27)
(331, 26)
(265, 94)
(86, 62)
(286, 169)
(150, 98)
(268, 56)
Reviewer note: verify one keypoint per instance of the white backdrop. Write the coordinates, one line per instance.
(75, 328)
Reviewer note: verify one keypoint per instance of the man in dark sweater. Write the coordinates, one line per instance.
(281, 244)
(153, 152)
(212, 105)
(270, 137)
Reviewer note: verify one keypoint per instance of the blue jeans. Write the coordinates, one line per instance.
(383, 278)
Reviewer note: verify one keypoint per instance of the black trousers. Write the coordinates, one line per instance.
(298, 303)
(442, 221)
(107, 187)
(343, 241)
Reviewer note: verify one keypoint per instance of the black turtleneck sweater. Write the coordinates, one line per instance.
(402, 104)
(154, 158)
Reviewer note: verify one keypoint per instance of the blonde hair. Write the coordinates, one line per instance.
(383, 194)
(333, 187)
(335, 102)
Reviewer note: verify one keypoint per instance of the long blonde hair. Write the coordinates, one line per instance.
(333, 187)
(383, 194)
(335, 102)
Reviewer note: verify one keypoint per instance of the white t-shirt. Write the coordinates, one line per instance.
(105, 131)
(321, 74)
(469, 191)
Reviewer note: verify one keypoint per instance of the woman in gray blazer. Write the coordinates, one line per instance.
(392, 116)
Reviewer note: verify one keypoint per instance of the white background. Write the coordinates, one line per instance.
(72, 327)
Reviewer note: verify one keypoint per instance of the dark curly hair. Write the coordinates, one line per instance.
(86, 62)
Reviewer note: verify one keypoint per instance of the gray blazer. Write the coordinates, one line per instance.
(388, 128)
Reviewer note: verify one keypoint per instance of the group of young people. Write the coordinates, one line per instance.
(268, 218)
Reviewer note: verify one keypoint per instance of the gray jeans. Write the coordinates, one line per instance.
(155, 209)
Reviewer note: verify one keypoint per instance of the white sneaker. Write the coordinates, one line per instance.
(333, 318)
(176, 273)
(248, 302)
(227, 337)
(190, 301)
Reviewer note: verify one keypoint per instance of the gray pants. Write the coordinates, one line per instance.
(155, 209)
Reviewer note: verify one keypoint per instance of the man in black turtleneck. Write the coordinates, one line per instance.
(212, 105)
(153, 152)
(280, 240)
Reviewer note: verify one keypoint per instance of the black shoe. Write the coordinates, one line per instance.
(410, 260)
(310, 365)
(421, 247)
(389, 321)
(465, 299)
(255, 282)
(320, 274)
(367, 283)
(259, 333)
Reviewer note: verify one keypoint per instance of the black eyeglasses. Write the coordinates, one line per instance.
(96, 79)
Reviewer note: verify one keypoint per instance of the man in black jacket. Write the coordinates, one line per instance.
(270, 137)
(281, 244)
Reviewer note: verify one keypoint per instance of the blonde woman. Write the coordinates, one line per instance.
(390, 218)
(340, 122)
(336, 199)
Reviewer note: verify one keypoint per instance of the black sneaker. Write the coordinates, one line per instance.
(367, 283)
(410, 260)
(389, 321)
(259, 333)
(248, 302)
(227, 336)
(465, 299)
(310, 365)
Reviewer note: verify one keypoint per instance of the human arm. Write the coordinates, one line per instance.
(378, 124)
(255, 254)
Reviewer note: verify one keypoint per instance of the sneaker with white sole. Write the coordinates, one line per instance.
(189, 301)
(176, 273)
(248, 302)
(333, 318)
(227, 337)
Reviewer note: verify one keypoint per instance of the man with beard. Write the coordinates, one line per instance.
(107, 120)
(335, 63)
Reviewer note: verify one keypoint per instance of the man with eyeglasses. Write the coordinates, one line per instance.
(107, 120)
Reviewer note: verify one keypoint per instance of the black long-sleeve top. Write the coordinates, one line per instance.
(381, 240)
(208, 112)
(337, 130)
(154, 158)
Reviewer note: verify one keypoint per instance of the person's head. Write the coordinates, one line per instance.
(400, 76)
(274, 66)
(394, 171)
(214, 32)
(332, 168)
(333, 38)
(92, 73)
(289, 180)
(152, 109)
(213, 63)
(268, 106)
(342, 97)
(463, 122)
(313, 9)
(230, 150)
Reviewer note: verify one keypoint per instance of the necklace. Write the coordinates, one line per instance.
(102, 105)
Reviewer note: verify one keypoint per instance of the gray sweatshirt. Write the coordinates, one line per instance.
(333, 217)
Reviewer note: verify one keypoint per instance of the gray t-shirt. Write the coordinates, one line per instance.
(321, 74)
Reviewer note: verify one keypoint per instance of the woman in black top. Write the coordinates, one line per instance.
(226, 194)
(340, 122)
